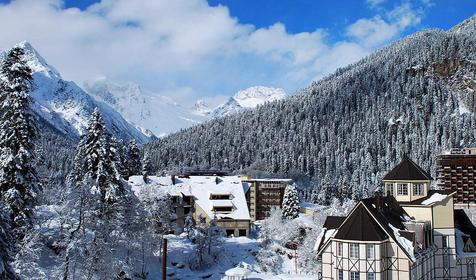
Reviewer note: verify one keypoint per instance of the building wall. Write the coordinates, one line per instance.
(389, 261)
(457, 172)
(410, 196)
(263, 196)
(230, 226)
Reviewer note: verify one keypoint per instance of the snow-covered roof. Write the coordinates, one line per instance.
(201, 187)
(270, 180)
(436, 197)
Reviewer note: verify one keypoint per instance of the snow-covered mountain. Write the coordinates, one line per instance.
(162, 115)
(67, 107)
(247, 99)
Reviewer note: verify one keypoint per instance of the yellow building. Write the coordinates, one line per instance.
(409, 233)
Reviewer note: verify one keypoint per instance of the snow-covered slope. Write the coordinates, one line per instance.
(66, 106)
(247, 99)
(162, 115)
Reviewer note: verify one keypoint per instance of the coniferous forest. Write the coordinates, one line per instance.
(415, 96)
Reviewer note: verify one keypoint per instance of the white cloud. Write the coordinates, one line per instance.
(185, 48)
(377, 30)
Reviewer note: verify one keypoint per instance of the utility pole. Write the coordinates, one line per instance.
(164, 260)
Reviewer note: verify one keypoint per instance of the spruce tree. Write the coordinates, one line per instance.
(290, 205)
(134, 165)
(19, 186)
(103, 211)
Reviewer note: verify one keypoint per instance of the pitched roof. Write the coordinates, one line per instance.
(361, 226)
(463, 223)
(373, 219)
(407, 170)
(333, 222)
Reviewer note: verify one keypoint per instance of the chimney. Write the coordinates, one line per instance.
(173, 179)
(378, 200)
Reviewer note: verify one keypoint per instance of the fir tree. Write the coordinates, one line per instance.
(19, 186)
(102, 209)
(290, 205)
(146, 166)
(134, 165)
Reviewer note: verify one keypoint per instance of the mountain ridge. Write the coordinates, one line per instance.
(339, 129)
(65, 106)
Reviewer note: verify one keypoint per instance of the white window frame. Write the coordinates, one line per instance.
(418, 189)
(402, 189)
(370, 251)
(470, 270)
(354, 251)
(370, 275)
(389, 189)
(354, 275)
(339, 249)
(444, 241)
(340, 274)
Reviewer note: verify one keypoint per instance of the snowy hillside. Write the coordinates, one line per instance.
(415, 96)
(162, 115)
(247, 99)
(66, 106)
(158, 113)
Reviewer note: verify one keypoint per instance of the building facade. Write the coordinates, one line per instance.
(263, 195)
(411, 232)
(457, 172)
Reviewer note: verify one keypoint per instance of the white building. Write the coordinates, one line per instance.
(206, 197)
(410, 233)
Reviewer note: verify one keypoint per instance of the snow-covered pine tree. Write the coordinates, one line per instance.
(6, 271)
(146, 166)
(101, 208)
(19, 186)
(134, 165)
(290, 205)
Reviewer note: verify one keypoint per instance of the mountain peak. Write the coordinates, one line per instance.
(258, 95)
(36, 62)
(466, 26)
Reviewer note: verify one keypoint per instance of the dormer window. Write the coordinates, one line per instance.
(402, 189)
(223, 209)
(418, 189)
(389, 189)
(220, 196)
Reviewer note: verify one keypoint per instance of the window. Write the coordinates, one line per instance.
(389, 188)
(341, 274)
(354, 251)
(444, 241)
(354, 275)
(370, 275)
(418, 189)
(402, 189)
(222, 209)
(446, 260)
(220, 196)
(242, 232)
(339, 249)
(470, 270)
(370, 251)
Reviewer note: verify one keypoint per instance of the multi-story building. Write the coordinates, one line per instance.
(263, 195)
(204, 198)
(457, 172)
(409, 233)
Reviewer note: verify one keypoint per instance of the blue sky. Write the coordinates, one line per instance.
(190, 49)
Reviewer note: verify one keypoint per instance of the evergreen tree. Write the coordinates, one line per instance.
(134, 165)
(290, 205)
(146, 166)
(19, 186)
(101, 208)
